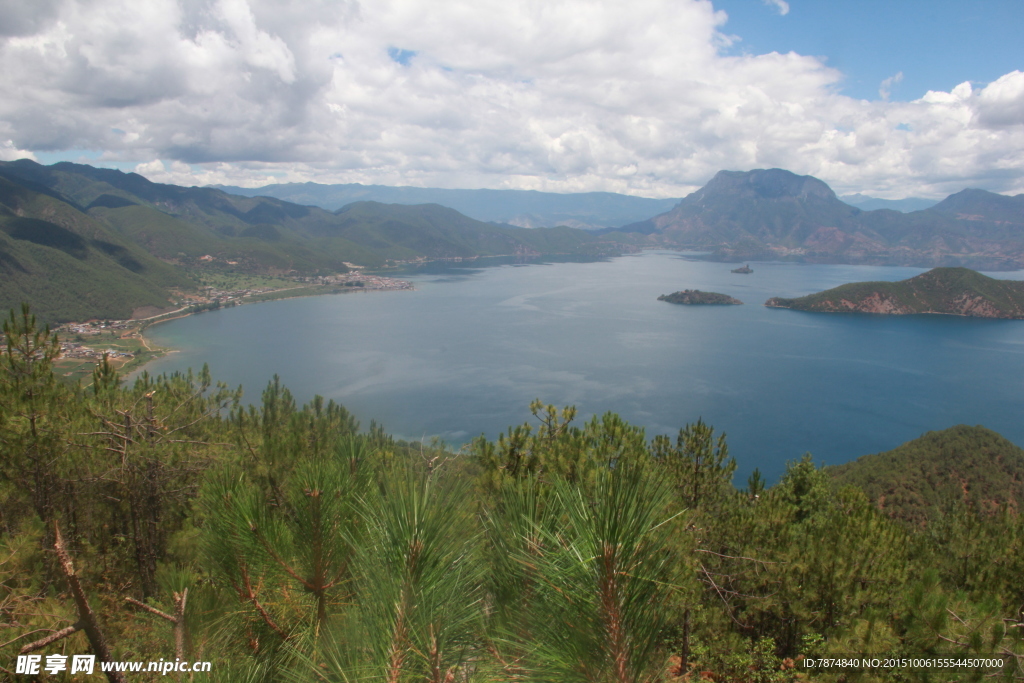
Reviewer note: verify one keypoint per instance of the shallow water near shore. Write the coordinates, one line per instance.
(467, 351)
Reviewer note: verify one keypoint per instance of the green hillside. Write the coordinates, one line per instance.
(79, 242)
(924, 477)
(71, 267)
(401, 232)
(263, 234)
(952, 291)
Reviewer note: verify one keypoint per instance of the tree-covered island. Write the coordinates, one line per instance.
(950, 291)
(692, 297)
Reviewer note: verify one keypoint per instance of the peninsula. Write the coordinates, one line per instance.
(949, 291)
(692, 297)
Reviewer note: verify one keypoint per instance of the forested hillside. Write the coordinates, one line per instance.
(283, 543)
(78, 242)
(948, 291)
(264, 234)
(925, 478)
(69, 265)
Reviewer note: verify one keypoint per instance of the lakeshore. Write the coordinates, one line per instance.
(124, 343)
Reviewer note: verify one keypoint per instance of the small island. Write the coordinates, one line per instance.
(948, 291)
(695, 297)
(745, 269)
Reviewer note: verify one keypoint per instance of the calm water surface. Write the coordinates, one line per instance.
(467, 351)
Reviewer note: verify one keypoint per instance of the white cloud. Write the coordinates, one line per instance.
(781, 5)
(563, 95)
(885, 88)
(8, 152)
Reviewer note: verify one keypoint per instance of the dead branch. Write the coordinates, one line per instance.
(86, 616)
(52, 638)
(151, 610)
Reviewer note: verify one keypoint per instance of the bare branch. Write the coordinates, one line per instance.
(736, 557)
(151, 610)
(52, 638)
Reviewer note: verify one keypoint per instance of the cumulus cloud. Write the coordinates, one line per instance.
(1001, 104)
(781, 5)
(562, 95)
(8, 152)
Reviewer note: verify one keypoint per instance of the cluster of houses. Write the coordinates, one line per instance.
(94, 327)
(362, 280)
(75, 350)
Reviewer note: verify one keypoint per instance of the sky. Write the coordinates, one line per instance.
(648, 97)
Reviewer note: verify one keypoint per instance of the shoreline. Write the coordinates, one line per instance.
(129, 369)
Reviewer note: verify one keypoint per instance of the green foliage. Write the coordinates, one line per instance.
(559, 450)
(419, 585)
(917, 481)
(698, 464)
(602, 583)
(310, 550)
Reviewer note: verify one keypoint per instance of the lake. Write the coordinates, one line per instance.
(467, 351)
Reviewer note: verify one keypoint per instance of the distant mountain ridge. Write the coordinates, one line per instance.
(79, 242)
(773, 213)
(130, 241)
(522, 208)
(865, 203)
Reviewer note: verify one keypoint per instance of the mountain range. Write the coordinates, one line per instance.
(521, 208)
(776, 214)
(78, 241)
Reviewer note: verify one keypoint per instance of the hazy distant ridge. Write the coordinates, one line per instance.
(905, 205)
(523, 208)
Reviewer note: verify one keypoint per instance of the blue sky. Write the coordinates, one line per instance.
(936, 44)
(650, 97)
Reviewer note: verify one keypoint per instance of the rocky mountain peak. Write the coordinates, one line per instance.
(772, 183)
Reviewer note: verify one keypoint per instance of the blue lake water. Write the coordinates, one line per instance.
(467, 351)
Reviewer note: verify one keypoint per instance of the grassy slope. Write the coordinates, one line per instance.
(924, 476)
(933, 291)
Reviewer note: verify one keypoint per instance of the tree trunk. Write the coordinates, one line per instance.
(85, 614)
